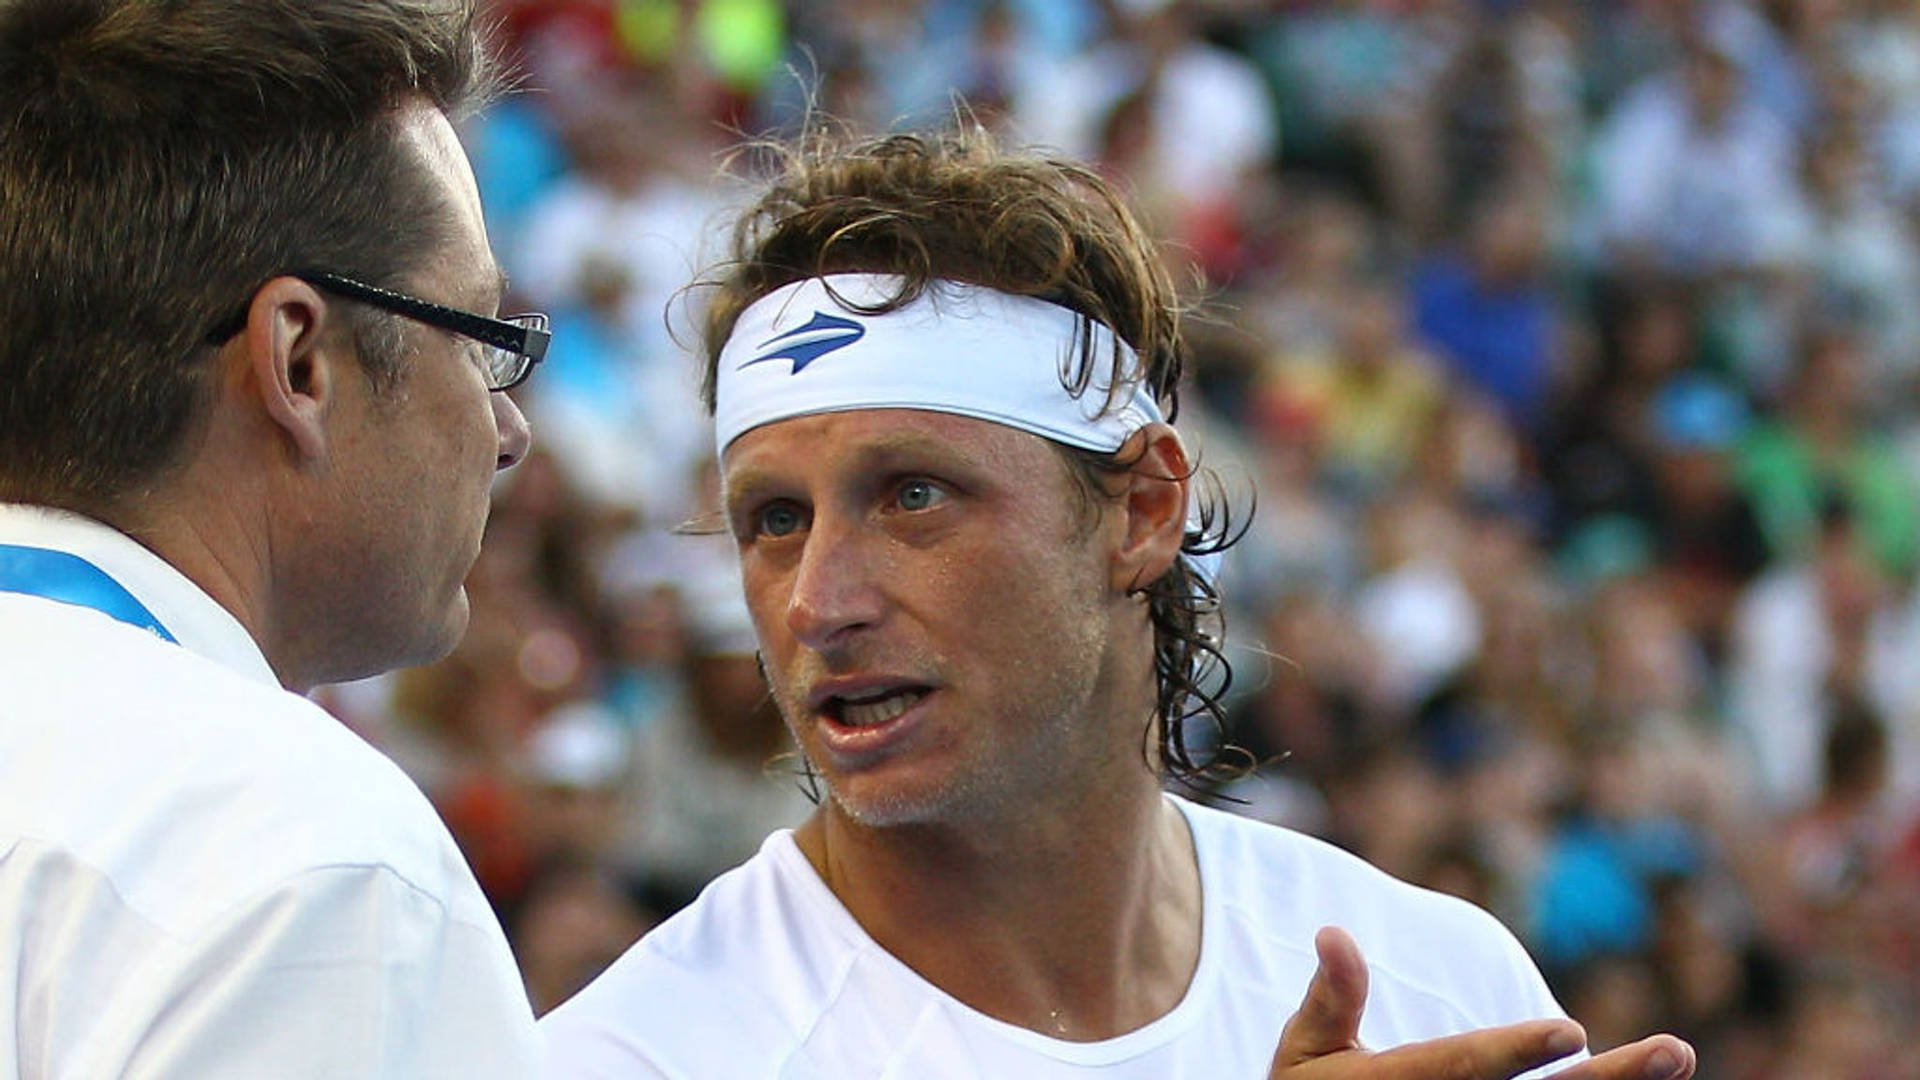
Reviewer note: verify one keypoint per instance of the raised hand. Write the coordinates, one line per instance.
(1322, 1040)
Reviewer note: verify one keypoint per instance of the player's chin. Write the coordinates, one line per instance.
(883, 813)
(885, 802)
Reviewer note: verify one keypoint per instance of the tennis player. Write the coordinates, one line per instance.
(249, 424)
(942, 378)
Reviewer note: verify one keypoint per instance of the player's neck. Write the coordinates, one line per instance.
(1077, 918)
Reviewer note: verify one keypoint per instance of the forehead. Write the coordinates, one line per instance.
(856, 437)
(465, 264)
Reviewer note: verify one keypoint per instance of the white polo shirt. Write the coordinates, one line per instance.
(204, 876)
(767, 975)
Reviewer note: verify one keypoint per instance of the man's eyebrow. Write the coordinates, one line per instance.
(744, 487)
(907, 449)
(888, 449)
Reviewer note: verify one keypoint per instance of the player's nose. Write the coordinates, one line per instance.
(835, 592)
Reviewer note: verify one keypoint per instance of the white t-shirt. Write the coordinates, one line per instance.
(767, 975)
(203, 876)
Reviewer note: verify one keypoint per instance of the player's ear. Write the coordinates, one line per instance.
(1154, 505)
(294, 361)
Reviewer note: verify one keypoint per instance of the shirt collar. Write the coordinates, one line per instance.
(195, 619)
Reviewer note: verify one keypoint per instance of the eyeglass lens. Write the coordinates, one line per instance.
(505, 367)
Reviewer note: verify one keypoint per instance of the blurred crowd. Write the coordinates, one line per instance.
(1561, 358)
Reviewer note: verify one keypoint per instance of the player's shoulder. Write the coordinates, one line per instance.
(729, 985)
(1281, 885)
(1253, 856)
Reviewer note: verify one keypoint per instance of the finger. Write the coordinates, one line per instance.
(1328, 1020)
(1488, 1054)
(1658, 1057)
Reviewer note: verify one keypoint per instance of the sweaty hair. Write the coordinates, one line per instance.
(959, 207)
(159, 161)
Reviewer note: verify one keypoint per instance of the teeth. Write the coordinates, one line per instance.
(867, 713)
(869, 698)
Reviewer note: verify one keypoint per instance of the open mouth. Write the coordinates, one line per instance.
(878, 707)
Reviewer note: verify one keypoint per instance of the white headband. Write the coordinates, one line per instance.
(956, 348)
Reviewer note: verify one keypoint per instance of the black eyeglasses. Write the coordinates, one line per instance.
(513, 344)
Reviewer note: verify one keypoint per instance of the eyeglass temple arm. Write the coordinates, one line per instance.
(527, 340)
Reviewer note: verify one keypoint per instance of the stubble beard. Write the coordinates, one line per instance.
(997, 781)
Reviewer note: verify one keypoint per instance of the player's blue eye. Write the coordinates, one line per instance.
(780, 519)
(920, 495)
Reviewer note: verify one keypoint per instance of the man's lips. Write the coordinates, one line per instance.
(854, 733)
(863, 700)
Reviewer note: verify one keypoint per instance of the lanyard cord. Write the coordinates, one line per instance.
(71, 579)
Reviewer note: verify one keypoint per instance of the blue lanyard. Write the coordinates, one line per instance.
(71, 579)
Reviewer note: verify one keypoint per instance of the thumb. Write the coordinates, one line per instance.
(1328, 1020)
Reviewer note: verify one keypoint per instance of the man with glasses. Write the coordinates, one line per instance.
(250, 424)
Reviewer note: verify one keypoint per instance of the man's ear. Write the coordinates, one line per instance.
(293, 361)
(1154, 506)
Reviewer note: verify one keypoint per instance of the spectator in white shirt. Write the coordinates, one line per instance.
(1694, 177)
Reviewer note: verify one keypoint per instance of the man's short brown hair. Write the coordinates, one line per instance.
(162, 159)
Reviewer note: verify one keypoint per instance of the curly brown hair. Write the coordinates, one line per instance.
(958, 206)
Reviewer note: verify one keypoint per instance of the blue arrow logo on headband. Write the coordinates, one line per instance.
(803, 345)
